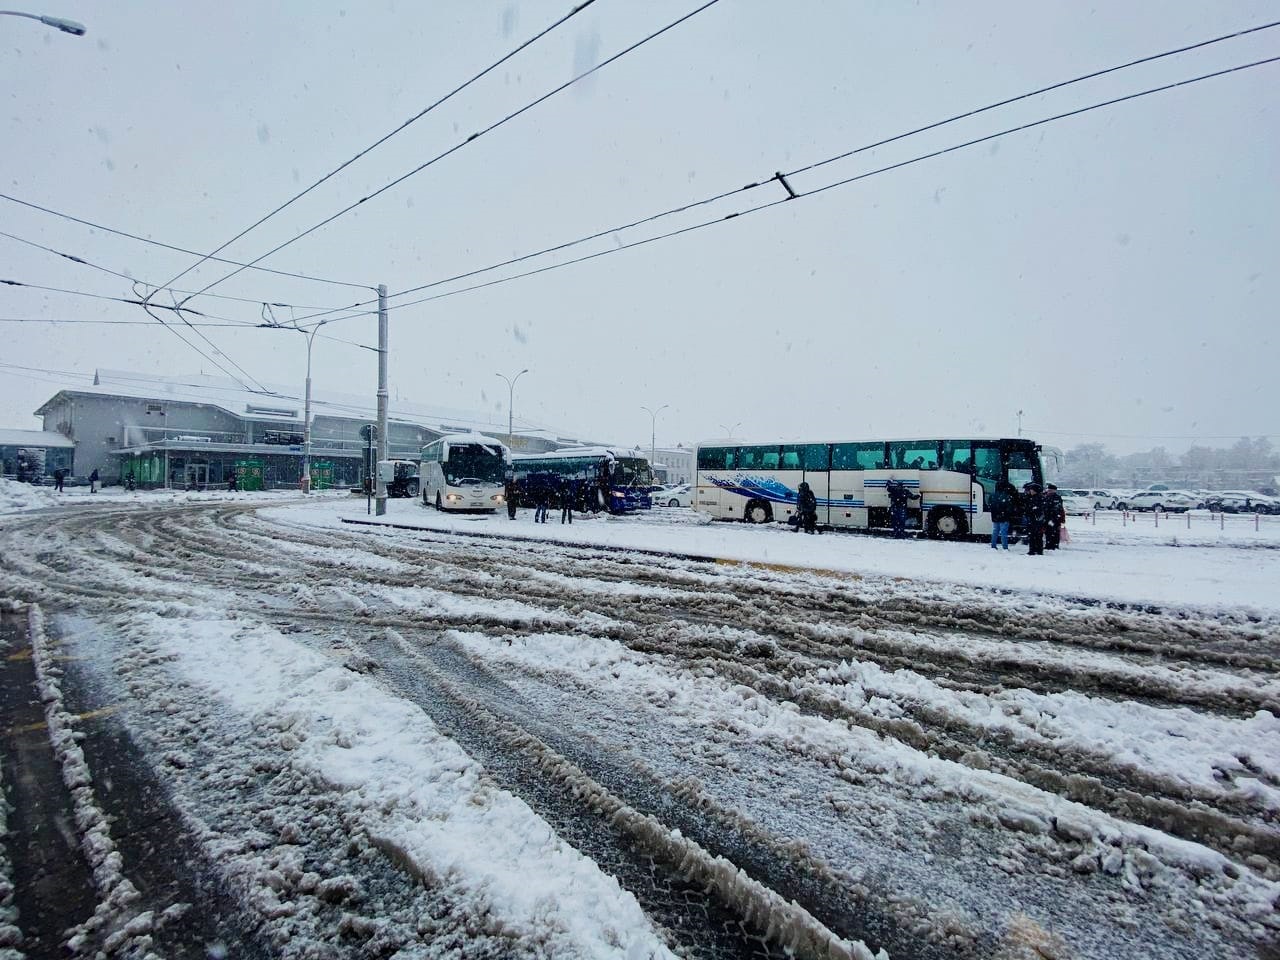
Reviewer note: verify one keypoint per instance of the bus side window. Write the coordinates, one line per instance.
(791, 458)
(749, 458)
(857, 456)
(817, 456)
(955, 456)
(769, 458)
(716, 458)
(918, 455)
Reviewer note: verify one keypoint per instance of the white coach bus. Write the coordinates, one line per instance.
(464, 472)
(952, 477)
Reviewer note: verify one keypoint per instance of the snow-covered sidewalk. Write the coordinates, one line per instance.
(1112, 560)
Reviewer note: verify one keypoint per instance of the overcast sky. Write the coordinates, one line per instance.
(1113, 275)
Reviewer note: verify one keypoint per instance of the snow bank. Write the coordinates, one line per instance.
(10, 934)
(1118, 564)
(415, 790)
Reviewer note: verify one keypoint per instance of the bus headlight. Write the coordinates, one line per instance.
(452, 497)
(498, 498)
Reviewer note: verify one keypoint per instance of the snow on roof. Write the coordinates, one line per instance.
(34, 438)
(609, 452)
(281, 402)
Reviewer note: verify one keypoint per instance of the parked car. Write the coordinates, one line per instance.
(1169, 501)
(678, 496)
(1075, 504)
(1240, 501)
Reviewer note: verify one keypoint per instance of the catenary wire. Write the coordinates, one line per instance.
(848, 153)
(380, 141)
(125, 276)
(460, 145)
(168, 246)
(848, 180)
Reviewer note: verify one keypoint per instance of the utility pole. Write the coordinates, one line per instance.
(511, 399)
(380, 491)
(1019, 423)
(653, 432)
(306, 419)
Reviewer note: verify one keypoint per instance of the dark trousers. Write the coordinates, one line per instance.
(1035, 537)
(566, 514)
(1052, 534)
(898, 518)
(540, 515)
(511, 508)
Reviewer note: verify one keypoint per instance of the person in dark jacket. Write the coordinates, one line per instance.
(541, 500)
(899, 497)
(806, 509)
(233, 482)
(93, 481)
(1003, 503)
(566, 501)
(58, 477)
(1033, 517)
(509, 494)
(1055, 515)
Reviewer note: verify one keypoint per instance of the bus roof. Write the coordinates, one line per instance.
(736, 442)
(608, 453)
(458, 439)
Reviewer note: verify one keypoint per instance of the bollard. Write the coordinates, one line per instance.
(1157, 516)
(1093, 518)
(1188, 519)
(1222, 521)
(1256, 515)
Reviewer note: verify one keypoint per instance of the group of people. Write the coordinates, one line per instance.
(544, 496)
(1042, 513)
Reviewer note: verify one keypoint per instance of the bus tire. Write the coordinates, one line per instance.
(757, 511)
(947, 523)
(439, 502)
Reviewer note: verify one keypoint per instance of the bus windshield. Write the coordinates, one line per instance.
(473, 461)
(630, 472)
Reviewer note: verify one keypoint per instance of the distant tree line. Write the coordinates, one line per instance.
(1249, 463)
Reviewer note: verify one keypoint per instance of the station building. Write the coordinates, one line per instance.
(199, 430)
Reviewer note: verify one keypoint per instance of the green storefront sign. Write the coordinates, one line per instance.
(250, 474)
(321, 475)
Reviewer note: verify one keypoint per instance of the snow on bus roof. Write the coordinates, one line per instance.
(967, 438)
(612, 453)
(461, 438)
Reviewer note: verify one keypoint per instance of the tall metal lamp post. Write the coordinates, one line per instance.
(653, 432)
(729, 430)
(511, 396)
(59, 23)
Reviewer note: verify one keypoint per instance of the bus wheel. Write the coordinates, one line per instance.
(947, 524)
(758, 512)
(439, 502)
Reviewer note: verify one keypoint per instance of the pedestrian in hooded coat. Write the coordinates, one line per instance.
(1002, 505)
(1055, 515)
(806, 509)
(541, 499)
(899, 497)
(1034, 515)
(93, 481)
(58, 477)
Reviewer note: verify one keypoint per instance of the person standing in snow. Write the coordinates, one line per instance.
(1033, 517)
(541, 499)
(233, 482)
(566, 501)
(899, 497)
(509, 494)
(1055, 517)
(1002, 505)
(807, 509)
(93, 481)
(58, 477)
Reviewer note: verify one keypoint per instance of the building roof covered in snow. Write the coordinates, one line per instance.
(34, 438)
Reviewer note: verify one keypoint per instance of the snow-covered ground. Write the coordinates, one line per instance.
(1110, 557)
(410, 740)
(16, 498)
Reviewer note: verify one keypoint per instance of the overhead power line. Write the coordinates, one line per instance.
(132, 279)
(706, 201)
(176, 249)
(819, 190)
(460, 145)
(381, 140)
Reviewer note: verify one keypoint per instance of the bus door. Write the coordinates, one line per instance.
(815, 458)
(853, 489)
(787, 468)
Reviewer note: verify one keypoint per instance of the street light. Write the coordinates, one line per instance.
(306, 413)
(60, 23)
(1019, 423)
(729, 430)
(511, 396)
(653, 432)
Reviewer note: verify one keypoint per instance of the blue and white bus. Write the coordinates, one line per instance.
(952, 477)
(464, 472)
(599, 478)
